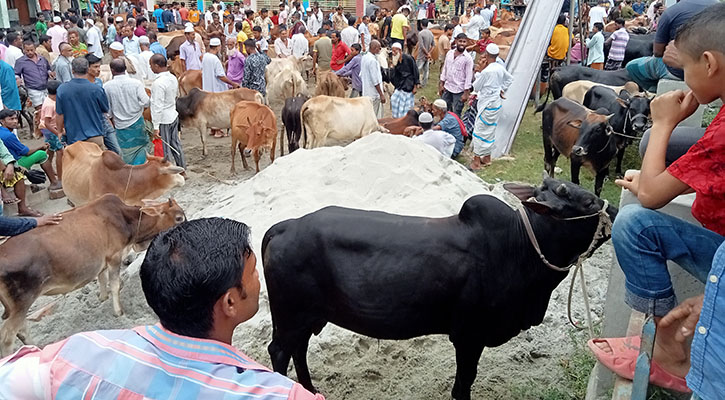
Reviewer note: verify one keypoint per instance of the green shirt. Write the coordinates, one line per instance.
(627, 12)
(41, 28)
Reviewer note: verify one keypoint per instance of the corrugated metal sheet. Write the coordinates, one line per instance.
(524, 60)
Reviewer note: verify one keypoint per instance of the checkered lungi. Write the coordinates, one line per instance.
(401, 102)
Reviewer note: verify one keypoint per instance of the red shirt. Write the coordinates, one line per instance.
(184, 13)
(275, 19)
(483, 43)
(339, 52)
(703, 169)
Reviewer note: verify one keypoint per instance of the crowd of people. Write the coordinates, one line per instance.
(232, 46)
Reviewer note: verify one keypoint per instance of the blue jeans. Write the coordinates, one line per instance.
(644, 240)
(110, 140)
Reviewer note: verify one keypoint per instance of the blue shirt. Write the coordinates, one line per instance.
(707, 355)
(352, 69)
(674, 17)
(12, 143)
(82, 105)
(10, 95)
(168, 17)
(157, 48)
(638, 8)
(450, 125)
(159, 21)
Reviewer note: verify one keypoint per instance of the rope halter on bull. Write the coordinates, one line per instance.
(604, 230)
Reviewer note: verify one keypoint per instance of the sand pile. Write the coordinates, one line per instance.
(379, 172)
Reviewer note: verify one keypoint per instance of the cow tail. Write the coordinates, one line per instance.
(541, 107)
(302, 127)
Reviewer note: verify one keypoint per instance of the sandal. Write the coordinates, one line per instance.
(623, 361)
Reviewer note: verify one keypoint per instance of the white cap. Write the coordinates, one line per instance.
(425, 118)
(116, 46)
(144, 40)
(189, 28)
(119, 19)
(492, 49)
(56, 19)
(215, 42)
(90, 21)
(397, 45)
(440, 103)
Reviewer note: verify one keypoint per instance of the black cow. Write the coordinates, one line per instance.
(571, 73)
(630, 114)
(292, 122)
(474, 276)
(638, 46)
(583, 135)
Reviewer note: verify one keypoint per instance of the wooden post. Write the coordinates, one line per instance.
(582, 36)
(571, 27)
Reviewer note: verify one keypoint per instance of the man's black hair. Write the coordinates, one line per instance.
(448, 27)
(703, 32)
(158, 60)
(43, 39)
(92, 59)
(599, 26)
(238, 25)
(257, 29)
(619, 21)
(248, 12)
(461, 36)
(424, 23)
(53, 86)
(184, 273)
(561, 20)
(263, 10)
(7, 113)
(28, 43)
(351, 20)
(118, 66)
(356, 46)
(250, 43)
(12, 37)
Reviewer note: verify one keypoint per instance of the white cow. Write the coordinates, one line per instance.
(342, 119)
(575, 91)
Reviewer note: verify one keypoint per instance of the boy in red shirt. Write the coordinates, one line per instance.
(645, 239)
(484, 41)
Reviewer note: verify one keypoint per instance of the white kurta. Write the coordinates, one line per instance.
(488, 87)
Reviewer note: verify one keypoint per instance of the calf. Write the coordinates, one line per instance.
(584, 136)
(253, 125)
(326, 117)
(292, 122)
(89, 173)
(188, 80)
(396, 126)
(203, 110)
(398, 277)
(89, 242)
(630, 114)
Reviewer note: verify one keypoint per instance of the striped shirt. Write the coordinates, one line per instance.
(620, 38)
(457, 72)
(146, 362)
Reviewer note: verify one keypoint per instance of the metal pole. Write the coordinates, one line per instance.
(571, 27)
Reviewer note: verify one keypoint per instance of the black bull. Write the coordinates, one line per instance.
(474, 276)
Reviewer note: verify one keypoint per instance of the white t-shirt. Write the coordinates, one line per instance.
(281, 48)
(211, 70)
(299, 44)
(442, 141)
(13, 53)
(93, 40)
(596, 14)
(145, 66)
(350, 35)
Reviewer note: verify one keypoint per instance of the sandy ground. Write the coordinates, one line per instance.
(344, 365)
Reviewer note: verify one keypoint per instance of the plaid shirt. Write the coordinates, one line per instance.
(457, 72)
(146, 362)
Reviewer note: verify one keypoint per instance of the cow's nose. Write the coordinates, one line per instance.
(578, 151)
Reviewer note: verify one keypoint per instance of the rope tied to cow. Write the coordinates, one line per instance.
(603, 230)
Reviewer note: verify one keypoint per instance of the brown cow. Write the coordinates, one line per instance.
(202, 110)
(396, 126)
(253, 125)
(91, 241)
(580, 134)
(89, 173)
(189, 80)
(329, 84)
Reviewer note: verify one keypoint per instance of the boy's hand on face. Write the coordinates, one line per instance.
(672, 108)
